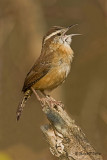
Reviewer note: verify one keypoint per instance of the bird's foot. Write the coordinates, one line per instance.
(44, 101)
(53, 102)
(50, 101)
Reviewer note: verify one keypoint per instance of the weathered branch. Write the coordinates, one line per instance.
(67, 141)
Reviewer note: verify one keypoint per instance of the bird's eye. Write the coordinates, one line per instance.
(58, 34)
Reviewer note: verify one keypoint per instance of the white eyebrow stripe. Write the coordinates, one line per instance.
(52, 34)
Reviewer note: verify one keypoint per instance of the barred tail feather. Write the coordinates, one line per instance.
(20, 108)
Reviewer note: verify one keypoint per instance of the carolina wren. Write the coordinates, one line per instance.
(53, 65)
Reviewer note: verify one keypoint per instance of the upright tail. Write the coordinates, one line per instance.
(20, 108)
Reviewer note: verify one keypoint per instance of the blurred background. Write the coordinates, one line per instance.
(22, 26)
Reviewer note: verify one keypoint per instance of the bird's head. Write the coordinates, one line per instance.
(57, 34)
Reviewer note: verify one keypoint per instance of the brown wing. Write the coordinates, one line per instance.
(39, 70)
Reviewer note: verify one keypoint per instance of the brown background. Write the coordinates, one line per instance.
(22, 26)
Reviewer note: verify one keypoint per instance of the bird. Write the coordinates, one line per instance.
(52, 67)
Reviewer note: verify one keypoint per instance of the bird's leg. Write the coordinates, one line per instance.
(37, 96)
(47, 99)
(42, 100)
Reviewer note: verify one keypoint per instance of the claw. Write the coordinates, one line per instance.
(52, 102)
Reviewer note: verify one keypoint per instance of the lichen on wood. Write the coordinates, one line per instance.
(67, 141)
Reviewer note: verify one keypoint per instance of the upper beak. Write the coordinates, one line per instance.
(72, 26)
(67, 29)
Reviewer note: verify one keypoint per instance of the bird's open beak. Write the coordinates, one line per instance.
(68, 28)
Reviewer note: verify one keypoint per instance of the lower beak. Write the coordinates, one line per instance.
(72, 35)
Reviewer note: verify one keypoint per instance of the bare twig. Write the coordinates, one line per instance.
(67, 141)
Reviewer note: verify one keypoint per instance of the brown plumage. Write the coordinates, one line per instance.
(53, 65)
